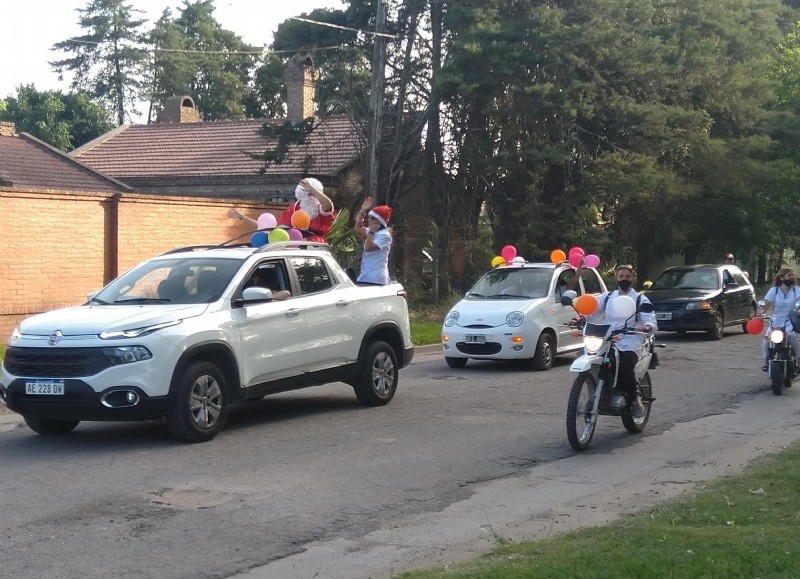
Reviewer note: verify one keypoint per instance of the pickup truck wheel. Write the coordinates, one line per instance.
(201, 405)
(49, 427)
(377, 380)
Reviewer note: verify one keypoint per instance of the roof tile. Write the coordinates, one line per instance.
(221, 148)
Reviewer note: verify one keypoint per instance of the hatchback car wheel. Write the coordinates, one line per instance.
(718, 330)
(545, 353)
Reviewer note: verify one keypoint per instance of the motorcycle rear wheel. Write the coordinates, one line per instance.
(580, 423)
(636, 425)
(776, 374)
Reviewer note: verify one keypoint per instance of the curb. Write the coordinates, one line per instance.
(427, 349)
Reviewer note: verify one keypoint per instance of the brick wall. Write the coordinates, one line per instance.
(59, 246)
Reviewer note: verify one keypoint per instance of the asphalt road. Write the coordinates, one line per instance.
(311, 484)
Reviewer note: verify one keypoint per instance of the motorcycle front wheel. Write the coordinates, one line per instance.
(580, 422)
(636, 425)
(776, 375)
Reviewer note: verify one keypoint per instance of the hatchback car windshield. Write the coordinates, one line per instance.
(512, 283)
(180, 280)
(706, 279)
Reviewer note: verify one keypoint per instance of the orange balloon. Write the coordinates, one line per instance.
(586, 305)
(300, 219)
(557, 256)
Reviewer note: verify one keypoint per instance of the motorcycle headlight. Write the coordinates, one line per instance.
(451, 319)
(592, 343)
(776, 336)
(515, 319)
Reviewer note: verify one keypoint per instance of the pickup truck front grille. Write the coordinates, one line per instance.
(55, 363)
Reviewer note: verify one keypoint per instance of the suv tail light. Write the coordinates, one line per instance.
(403, 293)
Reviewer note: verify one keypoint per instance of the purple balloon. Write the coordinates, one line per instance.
(295, 234)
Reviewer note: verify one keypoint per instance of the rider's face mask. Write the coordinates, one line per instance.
(788, 281)
(624, 284)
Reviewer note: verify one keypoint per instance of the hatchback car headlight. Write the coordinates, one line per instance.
(592, 343)
(776, 336)
(515, 319)
(451, 319)
(701, 305)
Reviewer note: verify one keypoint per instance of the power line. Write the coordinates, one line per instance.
(264, 50)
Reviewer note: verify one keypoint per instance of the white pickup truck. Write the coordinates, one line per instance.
(184, 335)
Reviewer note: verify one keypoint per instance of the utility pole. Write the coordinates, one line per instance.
(376, 103)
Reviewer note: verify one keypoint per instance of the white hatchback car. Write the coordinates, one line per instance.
(514, 312)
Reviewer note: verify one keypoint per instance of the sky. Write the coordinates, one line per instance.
(36, 25)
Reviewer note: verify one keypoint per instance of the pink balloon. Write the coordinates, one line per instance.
(295, 234)
(591, 260)
(578, 250)
(267, 221)
(575, 259)
(509, 252)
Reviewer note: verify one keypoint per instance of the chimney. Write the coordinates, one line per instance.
(8, 129)
(179, 109)
(300, 78)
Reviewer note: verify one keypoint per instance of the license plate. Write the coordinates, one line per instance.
(476, 339)
(663, 315)
(48, 387)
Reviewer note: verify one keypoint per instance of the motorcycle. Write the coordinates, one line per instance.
(594, 392)
(781, 362)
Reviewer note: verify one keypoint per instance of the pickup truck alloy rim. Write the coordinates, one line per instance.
(205, 402)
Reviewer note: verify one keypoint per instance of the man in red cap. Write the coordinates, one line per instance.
(377, 235)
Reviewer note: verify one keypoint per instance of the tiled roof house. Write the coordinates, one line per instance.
(28, 164)
(180, 155)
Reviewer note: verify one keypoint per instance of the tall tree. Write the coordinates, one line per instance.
(196, 56)
(109, 61)
(64, 121)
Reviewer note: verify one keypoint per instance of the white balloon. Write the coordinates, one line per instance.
(518, 259)
(623, 307)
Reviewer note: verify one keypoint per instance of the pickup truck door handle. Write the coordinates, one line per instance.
(292, 313)
(342, 303)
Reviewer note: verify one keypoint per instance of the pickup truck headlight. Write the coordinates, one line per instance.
(137, 332)
(127, 354)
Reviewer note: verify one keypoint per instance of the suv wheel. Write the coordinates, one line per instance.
(377, 380)
(201, 405)
(49, 427)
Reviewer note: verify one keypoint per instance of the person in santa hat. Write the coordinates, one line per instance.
(311, 199)
(373, 227)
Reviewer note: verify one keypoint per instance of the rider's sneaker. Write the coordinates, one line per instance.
(637, 408)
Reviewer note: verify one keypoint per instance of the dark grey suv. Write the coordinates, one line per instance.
(702, 298)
